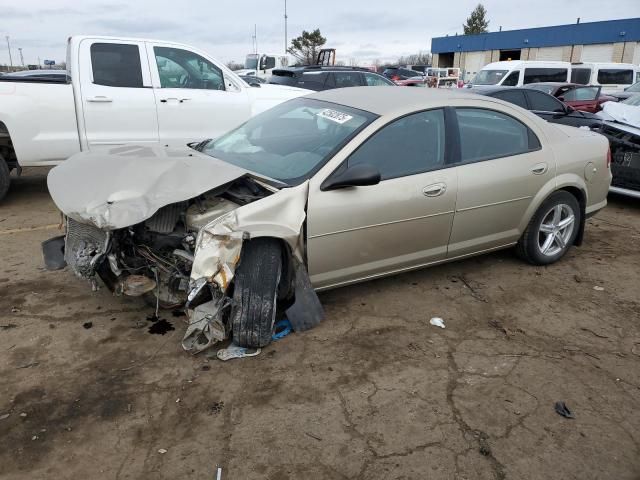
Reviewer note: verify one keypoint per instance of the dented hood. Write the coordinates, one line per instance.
(128, 184)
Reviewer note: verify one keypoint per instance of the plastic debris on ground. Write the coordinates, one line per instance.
(437, 322)
(281, 329)
(236, 351)
(598, 288)
(562, 409)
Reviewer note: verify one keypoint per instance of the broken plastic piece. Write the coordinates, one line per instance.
(205, 326)
(437, 322)
(281, 329)
(53, 252)
(236, 351)
(307, 311)
(562, 409)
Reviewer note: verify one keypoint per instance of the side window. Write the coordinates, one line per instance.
(581, 94)
(373, 80)
(581, 76)
(347, 79)
(512, 79)
(267, 63)
(116, 65)
(313, 80)
(536, 75)
(409, 145)
(544, 103)
(513, 96)
(184, 69)
(487, 134)
(612, 76)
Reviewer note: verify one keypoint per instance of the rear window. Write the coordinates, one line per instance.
(537, 75)
(608, 76)
(116, 65)
(581, 76)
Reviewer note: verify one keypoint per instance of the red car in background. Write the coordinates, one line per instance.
(586, 98)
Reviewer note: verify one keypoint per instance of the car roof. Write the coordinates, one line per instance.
(383, 100)
(490, 90)
(323, 68)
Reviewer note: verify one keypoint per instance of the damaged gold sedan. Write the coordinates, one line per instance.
(321, 191)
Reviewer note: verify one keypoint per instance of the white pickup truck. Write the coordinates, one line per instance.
(119, 91)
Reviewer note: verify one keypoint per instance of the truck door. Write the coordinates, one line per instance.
(194, 99)
(117, 101)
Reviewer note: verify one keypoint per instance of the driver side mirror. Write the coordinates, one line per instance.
(360, 175)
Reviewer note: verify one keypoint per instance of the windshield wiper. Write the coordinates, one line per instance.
(200, 145)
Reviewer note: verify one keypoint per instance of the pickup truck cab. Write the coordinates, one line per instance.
(121, 91)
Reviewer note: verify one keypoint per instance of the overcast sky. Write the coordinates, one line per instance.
(361, 29)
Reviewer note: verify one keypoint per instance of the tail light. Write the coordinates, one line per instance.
(609, 158)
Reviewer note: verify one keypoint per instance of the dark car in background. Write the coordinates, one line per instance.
(544, 105)
(399, 73)
(317, 78)
(586, 98)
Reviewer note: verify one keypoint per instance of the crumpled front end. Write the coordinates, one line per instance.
(85, 247)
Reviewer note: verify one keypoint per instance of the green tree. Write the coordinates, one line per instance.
(306, 47)
(477, 21)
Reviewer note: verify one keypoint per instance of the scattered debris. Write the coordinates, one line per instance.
(218, 473)
(28, 365)
(577, 278)
(216, 408)
(281, 329)
(598, 288)
(206, 326)
(562, 409)
(437, 322)
(35, 437)
(8, 326)
(23, 414)
(15, 310)
(5, 416)
(315, 437)
(475, 294)
(87, 325)
(599, 335)
(236, 351)
(162, 451)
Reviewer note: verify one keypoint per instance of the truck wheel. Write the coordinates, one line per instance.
(255, 292)
(551, 231)
(5, 179)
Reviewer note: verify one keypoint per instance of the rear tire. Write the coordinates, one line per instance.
(552, 230)
(5, 179)
(255, 294)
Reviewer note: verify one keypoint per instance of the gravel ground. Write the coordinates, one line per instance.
(374, 392)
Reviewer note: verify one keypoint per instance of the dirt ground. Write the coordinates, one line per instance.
(374, 392)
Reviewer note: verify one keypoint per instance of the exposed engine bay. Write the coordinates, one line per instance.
(154, 258)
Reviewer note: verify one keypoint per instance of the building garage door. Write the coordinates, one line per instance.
(602, 52)
(549, 53)
(473, 62)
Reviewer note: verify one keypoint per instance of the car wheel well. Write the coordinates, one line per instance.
(7, 152)
(582, 201)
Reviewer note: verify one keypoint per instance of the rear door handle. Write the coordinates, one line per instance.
(165, 100)
(539, 169)
(99, 99)
(434, 190)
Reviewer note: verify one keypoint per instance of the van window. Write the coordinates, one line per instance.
(581, 76)
(489, 77)
(512, 79)
(540, 74)
(608, 76)
(116, 65)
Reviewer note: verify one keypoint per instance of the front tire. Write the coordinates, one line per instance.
(255, 293)
(552, 230)
(5, 179)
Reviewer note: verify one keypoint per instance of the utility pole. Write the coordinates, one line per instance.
(286, 43)
(255, 38)
(21, 57)
(9, 48)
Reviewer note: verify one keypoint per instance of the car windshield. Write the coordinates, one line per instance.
(251, 62)
(489, 77)
(291, 141)
(543, 88)
(634, 101)
(634, 88)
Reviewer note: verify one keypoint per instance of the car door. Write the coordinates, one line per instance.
(116, 99)
(554, 111)
(584, 99)
(194, 99)
(502, 166)
(515, 96)
(403, 222)
(347, 79)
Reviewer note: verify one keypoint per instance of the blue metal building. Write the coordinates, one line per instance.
(606, 41)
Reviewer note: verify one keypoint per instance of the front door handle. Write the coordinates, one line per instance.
(181, 100)
(99, 99)
(434, 190)
(540, 169)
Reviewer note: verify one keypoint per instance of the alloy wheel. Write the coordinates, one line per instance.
(556, 229)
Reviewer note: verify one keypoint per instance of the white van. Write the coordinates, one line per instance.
(516, 73)
(612, 76)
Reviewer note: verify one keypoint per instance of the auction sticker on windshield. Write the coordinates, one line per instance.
(335, 115)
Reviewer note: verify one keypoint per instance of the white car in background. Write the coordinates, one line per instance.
(120, 91)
